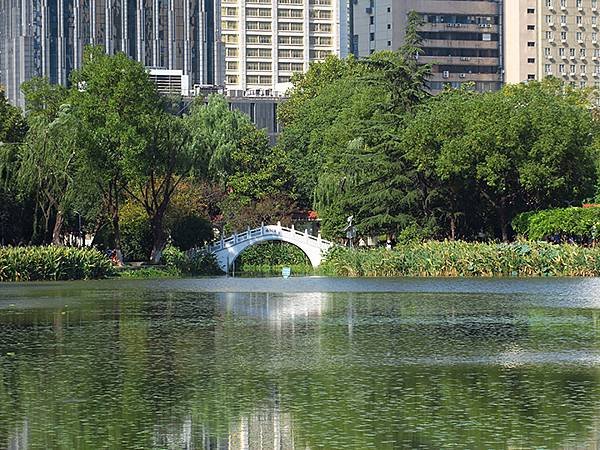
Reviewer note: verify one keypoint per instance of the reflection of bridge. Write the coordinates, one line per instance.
(228, 249)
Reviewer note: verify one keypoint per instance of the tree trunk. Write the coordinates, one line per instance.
(56, 232)
(502, 215)
(159, 238)
(452, 228)
(117, 235)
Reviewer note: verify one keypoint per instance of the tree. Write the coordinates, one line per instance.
(155, 170)
(367, 174)
(238, 159)
(47, 167)
(525, 147)
(114, 99)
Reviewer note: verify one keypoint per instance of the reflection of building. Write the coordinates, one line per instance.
(462, 38)
(556, 38)
(47, 37)
(268, 41)
(265, 429)
(277, 309)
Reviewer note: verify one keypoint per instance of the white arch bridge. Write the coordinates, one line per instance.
(228, 249)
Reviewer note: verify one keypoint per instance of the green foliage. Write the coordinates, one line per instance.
(136, 233)
(190, 263)
(52, 263)
(271, 254)
(462, 259)
(190, 231)
(524, 147)
(572, 222)
(13, 126)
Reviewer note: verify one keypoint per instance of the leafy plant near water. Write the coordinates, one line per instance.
(574, 222)
(52, 263)
(462, 259)
(194, 262)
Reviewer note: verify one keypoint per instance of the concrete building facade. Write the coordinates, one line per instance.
(267, 41)
(461, 38)
(47, 38)
(558, 38)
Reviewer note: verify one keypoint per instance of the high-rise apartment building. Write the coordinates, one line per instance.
(461, 38)
(558, 38)
(47, 38)
(267, 41)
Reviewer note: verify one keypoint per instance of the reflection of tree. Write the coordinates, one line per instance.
(149, 369)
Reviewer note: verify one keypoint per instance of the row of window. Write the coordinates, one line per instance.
(257, 79)
(572, 52)
(232, 25)
(324, 14)
(580, 36)
(290, 53)
(572, 69)
(265, 66)
(267, 39)
(567, 3)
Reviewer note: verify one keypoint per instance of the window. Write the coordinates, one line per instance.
(547, 68)
(531, 76)
(531, 44)
(531, 60)
(561, 51)
(530, 10)
(561, 68)
(582, 52)
(547, 51)
(531, 27)
(579, 36)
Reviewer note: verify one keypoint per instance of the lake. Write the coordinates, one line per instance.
(301, 363)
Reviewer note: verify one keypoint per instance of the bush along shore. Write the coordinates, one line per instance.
(52, 263)
(462, 259)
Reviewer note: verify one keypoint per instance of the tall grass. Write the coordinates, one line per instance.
(52, 263)
(462, 259)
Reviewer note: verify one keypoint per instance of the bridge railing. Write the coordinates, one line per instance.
(264, 230)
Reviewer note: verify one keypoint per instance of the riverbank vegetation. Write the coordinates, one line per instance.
(462, 259)
(52, 263)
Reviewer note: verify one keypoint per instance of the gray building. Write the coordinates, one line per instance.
(47, 38)
(461, 38)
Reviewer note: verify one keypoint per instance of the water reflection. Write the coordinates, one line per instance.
(159, 365)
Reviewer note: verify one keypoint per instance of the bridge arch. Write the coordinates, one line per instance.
(227, 250)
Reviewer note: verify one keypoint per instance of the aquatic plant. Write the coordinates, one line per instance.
(463, 259)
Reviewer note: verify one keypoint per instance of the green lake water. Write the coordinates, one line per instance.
(301, 363)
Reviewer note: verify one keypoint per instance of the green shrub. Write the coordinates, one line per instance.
(465, 259)
(582, 223)
(52, 263)
(197, 262)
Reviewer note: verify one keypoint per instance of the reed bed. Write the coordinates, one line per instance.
(52, 263)
(464, 259)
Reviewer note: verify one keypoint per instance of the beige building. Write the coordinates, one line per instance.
(556, 38)
(462, 39)
(267, 41)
